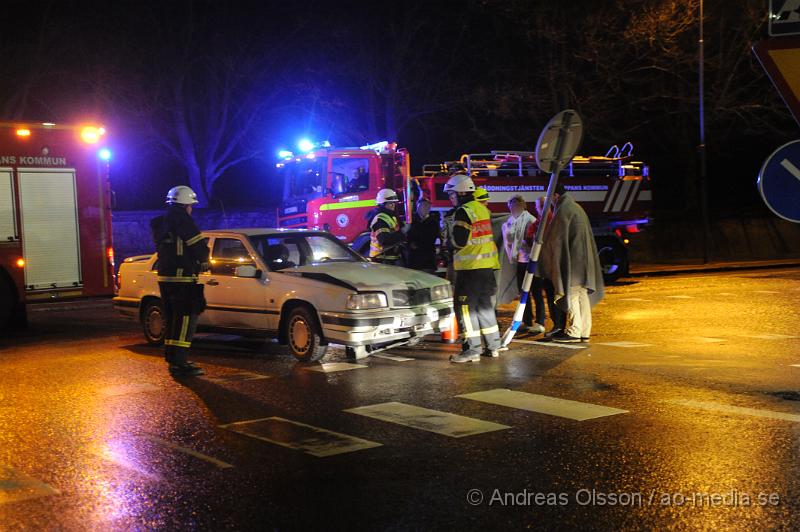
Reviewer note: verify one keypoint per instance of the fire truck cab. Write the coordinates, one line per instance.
(333, 189)
(55, 216)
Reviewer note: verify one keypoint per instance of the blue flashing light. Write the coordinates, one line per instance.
(104, 154)
(305, 145)
(285, 154)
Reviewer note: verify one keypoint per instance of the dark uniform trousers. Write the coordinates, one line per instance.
(183, 303)
(474, 293)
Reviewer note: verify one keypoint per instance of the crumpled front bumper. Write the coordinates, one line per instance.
(386, 325)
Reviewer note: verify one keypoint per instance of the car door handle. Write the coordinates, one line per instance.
(212, 282)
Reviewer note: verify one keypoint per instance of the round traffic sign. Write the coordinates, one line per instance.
(559, 141)
(779, 181)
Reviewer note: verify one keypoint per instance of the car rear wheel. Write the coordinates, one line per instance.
(304, 335)
(154, 323)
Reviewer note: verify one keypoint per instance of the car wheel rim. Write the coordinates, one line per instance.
(299, 335)
(155, 323)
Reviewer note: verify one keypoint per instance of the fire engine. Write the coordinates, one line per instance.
(334, 189)
(55, 216)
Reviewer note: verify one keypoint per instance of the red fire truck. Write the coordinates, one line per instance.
(334, 188)
(55, 216)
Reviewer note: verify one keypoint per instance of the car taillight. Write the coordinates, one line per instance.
(20, 263)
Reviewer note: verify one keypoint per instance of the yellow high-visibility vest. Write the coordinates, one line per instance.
(375, 248)
(480, 251)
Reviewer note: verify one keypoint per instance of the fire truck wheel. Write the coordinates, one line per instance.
(303, 335)
(613, 258)
(153, 324)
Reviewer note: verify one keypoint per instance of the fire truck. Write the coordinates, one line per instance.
(334, 189)
(55, 216)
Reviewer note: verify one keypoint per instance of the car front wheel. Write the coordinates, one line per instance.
(304, 335)
(154, 323)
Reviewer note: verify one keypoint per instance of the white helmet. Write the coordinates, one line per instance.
(460, 183)
(386, 195)
(182, 195)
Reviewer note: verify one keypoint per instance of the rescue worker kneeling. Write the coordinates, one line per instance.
(475, 260)
(387, 233)
(182, 255)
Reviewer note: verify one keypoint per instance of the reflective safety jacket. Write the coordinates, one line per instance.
(473, 238)
(384, 236)
(182, 249)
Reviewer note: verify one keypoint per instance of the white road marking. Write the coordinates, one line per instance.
(765, 292)
(625, 344)
(786, 163)
(396, 358)
(725, 294)
(185, 450)
(770, 336)
(237, 377)
(551, 344)
(730, 409)
(680, 297)
(125, 389)
(709, 340)
(120, 459)
(633, 299)
(443, 423)
(331, 367)
(543, 404)
(16, 486)
(311, 440)
(795, 365)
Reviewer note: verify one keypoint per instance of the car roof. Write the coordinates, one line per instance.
(253, 231)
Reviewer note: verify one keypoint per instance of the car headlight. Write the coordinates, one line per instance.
(366, 301)
(442, 291)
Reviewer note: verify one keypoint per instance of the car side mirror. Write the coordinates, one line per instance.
(248, 271)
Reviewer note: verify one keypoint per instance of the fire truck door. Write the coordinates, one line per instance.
(8, 220)
(50, 246)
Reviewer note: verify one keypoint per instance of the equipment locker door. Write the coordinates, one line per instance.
(50, 245)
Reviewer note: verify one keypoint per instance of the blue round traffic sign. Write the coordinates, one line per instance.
(779, 181)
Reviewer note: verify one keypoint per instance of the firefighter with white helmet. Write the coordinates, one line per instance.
(474, 260)
(387, 233)
(182, 255)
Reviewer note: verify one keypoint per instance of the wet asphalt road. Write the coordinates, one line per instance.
(703, 369)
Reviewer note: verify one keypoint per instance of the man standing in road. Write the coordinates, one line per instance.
(387, 234)
(475, 261)
(182, 255)
(573, 266)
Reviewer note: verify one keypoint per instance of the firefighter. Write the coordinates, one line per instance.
(475, 261)
(387, 233)
(482, 195)
(182, 255)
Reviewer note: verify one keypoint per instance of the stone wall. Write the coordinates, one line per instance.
(132, 228)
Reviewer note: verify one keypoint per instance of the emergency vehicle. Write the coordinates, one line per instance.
(55, 216)
(333, 189)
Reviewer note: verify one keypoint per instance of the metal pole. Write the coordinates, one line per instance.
(702, 147)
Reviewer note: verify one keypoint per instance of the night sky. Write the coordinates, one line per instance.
(241, 80)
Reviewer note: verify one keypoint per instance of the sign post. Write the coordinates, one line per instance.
(559, 141)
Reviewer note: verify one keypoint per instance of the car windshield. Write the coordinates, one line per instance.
(290, 250)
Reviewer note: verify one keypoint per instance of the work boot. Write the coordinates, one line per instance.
(535, 329)
(548, 336)
(585, 339)
(491, 353)
(187, 369)
(461, 358)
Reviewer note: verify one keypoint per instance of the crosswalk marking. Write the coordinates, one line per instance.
(16, 486)
(185, 450)
(331, 367)
(770, 336)
(237, 377)
(125, 389)
(396, 358)
(311, 440)
(550, 344)
(543, 404)
(625, 344)
(730, 409)
(443, 423)
(680, 297)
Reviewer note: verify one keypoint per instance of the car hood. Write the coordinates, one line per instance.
(368, 275)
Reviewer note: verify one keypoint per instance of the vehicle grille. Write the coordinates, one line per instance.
(411, 297)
